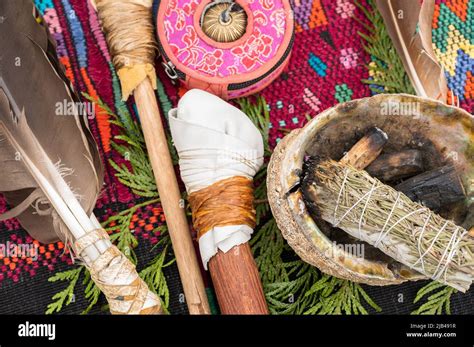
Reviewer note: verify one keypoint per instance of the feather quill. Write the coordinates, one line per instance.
(32, 86)
(408, 23)
(51, 169)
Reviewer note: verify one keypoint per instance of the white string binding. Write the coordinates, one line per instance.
(340, 193)
(421, 237)
(371, 191)
(451, 248)
(376, 244)
(436, 273)
(431, 245)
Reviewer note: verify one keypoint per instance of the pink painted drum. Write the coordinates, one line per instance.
(229, 48)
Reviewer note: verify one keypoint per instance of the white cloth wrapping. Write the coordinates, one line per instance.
(215, 141)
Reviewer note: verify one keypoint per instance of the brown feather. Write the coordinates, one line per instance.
(409, 25)
(32, 84)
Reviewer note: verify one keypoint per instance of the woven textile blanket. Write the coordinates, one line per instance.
(326, 68)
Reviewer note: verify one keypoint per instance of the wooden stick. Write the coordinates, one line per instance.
(394, 166)
(435, 188)
(221, 207)
(170, 197)
(366, 150)
(237, 282)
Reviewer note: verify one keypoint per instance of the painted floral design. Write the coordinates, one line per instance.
(255, 49)
(267, 4)
(279, 21)
(270, 20)
(211, 62)
(260, 18)
(181, 11)
(189, 53)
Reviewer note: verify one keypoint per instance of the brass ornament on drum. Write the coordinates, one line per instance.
(224, 21)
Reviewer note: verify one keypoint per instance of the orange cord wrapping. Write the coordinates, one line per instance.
(226, 202)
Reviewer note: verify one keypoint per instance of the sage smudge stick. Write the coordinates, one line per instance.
(409, 232)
